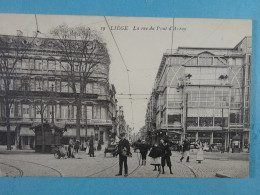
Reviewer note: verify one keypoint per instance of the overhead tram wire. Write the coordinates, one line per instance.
(127, 70)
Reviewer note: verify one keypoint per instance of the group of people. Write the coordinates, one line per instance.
(161, 153)
(74, 147)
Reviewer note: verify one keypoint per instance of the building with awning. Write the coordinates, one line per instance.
(38, 86)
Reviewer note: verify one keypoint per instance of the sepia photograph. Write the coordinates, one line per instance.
(109, 96)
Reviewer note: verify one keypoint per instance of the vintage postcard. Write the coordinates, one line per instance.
(101, 96)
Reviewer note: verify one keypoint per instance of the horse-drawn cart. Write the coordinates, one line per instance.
(112, 149)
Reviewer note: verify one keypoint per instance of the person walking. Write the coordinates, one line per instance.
(143, 147)
(166, 155)
(124, 152)
(185, 150)
(91, 147)
(155, 155)
(200, 155)
(76, 148)
(70, 148)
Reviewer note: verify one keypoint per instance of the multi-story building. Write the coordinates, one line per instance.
(204, 93)
(40, 68)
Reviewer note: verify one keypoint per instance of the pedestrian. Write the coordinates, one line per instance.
(91, 147)
(124, 152)
(143, 147)
(200, 155)
(70, 149)
(166, 155)
(76, 148)
(87, 147)
(155, 155)
(186, 150)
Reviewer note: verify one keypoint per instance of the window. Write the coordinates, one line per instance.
(203, 97)
(206, 121)
(38, 111)
(96, 88)
(89, 88)
(174, 119)
(192, 121)
(103, 112)
(192, 62)
(64, 87)
(89, 112)
(45, 65)
(51, 65)
(25, 111)
(219, 121)
(64, 111)
(31, 64)
(234, 117)
(96, 112)
(19, 64)
(205, 61)
(50, 84)
(38, 64)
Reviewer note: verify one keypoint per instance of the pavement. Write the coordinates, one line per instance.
(31, 164)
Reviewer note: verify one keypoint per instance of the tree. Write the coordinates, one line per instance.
(12, 50)
(84, 57)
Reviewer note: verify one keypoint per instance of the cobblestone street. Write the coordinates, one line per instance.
(26, 164)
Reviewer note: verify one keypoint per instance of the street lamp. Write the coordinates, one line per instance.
(182, 85)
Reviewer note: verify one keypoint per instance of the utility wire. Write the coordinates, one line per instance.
(127, 70)
(37, 27)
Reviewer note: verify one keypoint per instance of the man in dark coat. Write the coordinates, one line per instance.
(123, 151)
(166, 155)
(186, 150)
(143, 147)
(91, 146)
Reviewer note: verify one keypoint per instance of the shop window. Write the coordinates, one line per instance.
(206, 122)
(174, 119)
(192, 121)
(219, 122)
(234, 117)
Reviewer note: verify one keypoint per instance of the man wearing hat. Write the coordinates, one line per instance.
(123, 151)
(166, 155)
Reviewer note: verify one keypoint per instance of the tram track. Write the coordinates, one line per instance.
(57, 171)
(18, 169)
(103, 170)
(191, 170)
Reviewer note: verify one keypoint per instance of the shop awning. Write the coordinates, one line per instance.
(25, 131)
(72, 133)
(4, 128)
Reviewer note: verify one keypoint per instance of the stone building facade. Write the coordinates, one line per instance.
(37, 80)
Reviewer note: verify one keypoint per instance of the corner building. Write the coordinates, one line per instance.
(204, 93)
(37, 78)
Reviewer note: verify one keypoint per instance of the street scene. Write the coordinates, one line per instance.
(98, 96)
(30, 164)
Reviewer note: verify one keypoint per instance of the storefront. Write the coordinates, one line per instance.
(3, 136)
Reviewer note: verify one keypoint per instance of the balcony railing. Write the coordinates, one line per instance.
(60, 120)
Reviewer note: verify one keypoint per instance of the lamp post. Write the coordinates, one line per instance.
(182, 85)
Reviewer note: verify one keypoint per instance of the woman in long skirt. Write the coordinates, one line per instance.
(200, 155)
(155, 155)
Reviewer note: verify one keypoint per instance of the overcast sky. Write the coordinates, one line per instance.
(141, 49)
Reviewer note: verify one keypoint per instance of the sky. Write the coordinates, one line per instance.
(141, 42)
